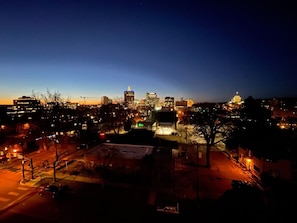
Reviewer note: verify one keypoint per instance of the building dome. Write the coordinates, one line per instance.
(236, 99)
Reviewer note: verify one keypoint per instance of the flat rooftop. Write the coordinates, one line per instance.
(125, 151)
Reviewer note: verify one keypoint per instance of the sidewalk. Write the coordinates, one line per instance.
(68, 177)
(60, 176)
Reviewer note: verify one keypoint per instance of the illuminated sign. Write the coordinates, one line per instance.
(140, 124)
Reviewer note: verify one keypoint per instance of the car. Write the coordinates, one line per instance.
(53, 190)
(48, 189)
(169, 209)
(3, 158)
(82, 146)
(241, 184)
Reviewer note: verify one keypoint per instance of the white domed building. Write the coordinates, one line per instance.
(236, 102)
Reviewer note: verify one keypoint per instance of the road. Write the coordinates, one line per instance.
(11, 190)
(11, 172)
(125, 204)
(85, 203)
(211, 182)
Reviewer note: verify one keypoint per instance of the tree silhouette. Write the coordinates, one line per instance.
(210, 121)
(113, 117)
(253, 112)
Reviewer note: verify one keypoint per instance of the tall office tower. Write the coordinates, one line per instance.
(169, 103)
(25, 108)
(129, 98)
(105, 100)
(152, 99)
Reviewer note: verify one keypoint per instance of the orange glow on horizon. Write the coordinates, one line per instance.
(88, 102)
(6, 101)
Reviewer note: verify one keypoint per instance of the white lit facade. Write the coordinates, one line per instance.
(24, 108)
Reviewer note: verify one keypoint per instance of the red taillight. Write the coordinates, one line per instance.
(102, 135)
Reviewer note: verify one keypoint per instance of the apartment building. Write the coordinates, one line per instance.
(282, 167)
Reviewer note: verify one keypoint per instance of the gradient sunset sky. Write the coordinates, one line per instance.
(203, 50)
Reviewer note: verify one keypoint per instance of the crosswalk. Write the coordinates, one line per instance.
(9, 169)
(4, 199)
(12, 195)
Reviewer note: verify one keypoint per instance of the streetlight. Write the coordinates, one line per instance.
(186, 138)
(23, 162)
(248, 163)
(23, 159)
(32, 168)
(197, 173)
(56, 159)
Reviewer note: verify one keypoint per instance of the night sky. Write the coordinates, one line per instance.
(202, 50)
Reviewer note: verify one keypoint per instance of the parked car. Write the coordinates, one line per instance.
(168, 209)
(82, 146)
(3, 158)
(241, 184)
(48, 189)
(53, 190)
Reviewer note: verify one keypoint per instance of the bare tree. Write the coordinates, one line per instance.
(35, 95)
(211, 123)
(51, 97)
(113, 117)
(56, 97)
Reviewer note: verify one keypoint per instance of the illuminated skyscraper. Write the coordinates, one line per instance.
(169, 103)
(105, 100)
(151, 99)
(129, 97)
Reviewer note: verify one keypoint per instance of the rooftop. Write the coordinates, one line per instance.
(126, 151)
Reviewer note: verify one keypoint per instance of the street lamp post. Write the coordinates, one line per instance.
(56, 160)
(54, 165)
(32, 168)
(23, 170)
(197, 173)
(186, 138)
(23, 162)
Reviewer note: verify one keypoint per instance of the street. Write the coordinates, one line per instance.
(85, 203)
(11, 172)
(117, 203)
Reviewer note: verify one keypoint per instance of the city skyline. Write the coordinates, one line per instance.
(120, 99)
(204, 51)
(85, 100)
